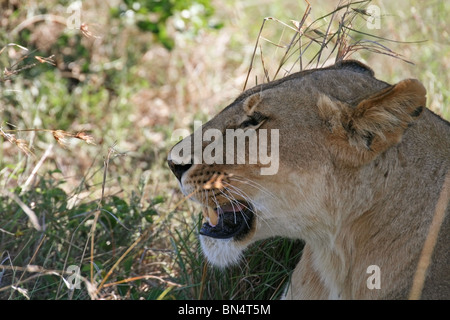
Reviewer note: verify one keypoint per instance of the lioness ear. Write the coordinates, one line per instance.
(376, 123)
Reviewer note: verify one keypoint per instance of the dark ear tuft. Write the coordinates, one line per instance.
(355, 66)
(417, 112)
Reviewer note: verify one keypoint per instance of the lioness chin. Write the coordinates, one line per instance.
(360, 168)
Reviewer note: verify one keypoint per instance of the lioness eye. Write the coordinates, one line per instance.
(254, 120)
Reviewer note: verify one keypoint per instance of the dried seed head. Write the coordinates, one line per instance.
(85, 137)
(20, 143)
(23, 145)
(10, 137)
(60, 136)
(84, 28)
(48, 60)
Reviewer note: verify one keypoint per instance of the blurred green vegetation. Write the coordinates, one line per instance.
(129, 75)
(189, 16)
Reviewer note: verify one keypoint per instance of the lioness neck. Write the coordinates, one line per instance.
(370, 216)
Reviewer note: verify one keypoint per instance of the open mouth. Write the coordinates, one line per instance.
(232, 220)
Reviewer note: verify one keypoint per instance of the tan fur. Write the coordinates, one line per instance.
(362, 165)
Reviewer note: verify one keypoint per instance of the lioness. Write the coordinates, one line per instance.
(362, 164)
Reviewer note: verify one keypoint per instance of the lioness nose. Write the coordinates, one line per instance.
(178, 169)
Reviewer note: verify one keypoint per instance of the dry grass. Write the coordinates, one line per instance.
(430, 241)
(319, 43)
(125, 88)
(60, 136)
(15, 68)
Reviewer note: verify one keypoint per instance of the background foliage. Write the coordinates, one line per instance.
(129, 75)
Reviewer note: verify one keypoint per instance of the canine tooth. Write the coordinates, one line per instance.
(205, 212)
(210, 215)
(213, 217)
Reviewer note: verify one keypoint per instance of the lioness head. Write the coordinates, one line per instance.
(285, 158)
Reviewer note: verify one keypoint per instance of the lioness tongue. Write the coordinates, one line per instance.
(232, 207)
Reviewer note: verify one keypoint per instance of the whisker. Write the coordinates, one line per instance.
(233, 189)
(232, 201)
(204, 192)
(253, 184)
(228, 191)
